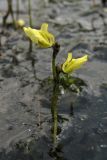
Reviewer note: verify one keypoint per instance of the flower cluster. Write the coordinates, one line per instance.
(45, 39)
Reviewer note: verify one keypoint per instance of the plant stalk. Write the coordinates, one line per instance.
(17, 9)
(54, 111)
(30, 24)
(53, 66)
(56, 49)
(9, 11)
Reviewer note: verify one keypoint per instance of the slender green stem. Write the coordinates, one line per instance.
(30, 24)
(17, 9)
(56, 48)
(53, 66)
(30, 46)
(9, 11)
(30, 12)
(55, 127)
(54, 111)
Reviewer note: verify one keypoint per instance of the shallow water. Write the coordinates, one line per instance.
(25, 102)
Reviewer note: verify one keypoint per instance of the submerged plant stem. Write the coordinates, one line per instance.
(54, 111)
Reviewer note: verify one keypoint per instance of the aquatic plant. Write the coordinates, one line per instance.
(44, 39)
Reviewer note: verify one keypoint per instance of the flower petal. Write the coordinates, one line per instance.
(42, 37)
(77, 63)
(33, 34)
(44, 27)
(69, 57)
(72, 64)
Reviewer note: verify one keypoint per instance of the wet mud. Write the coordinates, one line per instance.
(26, 86)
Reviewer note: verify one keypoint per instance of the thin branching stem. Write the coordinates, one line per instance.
(9, 12)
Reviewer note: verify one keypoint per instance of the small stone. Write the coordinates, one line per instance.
(29, 130)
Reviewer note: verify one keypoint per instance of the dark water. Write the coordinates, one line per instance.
(25, 102)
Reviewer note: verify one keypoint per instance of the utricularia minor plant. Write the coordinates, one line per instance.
(61, 72)
(44, 39)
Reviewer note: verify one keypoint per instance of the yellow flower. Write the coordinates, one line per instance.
(41, 37)
(20, 23)
(71, 64)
